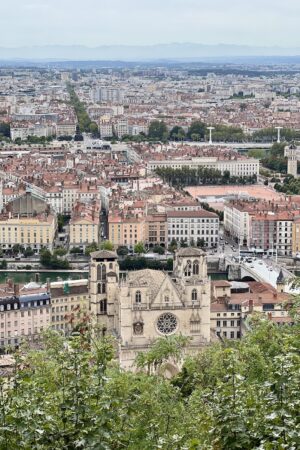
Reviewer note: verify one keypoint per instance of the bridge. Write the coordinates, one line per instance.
(265, 271)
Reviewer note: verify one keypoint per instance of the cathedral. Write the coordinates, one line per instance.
(140, 306)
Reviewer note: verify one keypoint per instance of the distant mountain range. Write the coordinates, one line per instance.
(174, 51)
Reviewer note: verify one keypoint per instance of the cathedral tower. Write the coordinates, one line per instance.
(103, 279)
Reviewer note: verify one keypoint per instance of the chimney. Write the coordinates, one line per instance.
(16, 289)
(48, 284)
(250, 306)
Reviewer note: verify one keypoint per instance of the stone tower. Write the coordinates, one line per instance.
(290, 152)
(103, 279)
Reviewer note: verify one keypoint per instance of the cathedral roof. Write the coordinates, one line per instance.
(152, 279)
(190, 251)
(104, 254)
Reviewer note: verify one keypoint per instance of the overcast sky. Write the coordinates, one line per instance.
(137, 22)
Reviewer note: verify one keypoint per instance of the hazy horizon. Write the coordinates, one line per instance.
(96, 23)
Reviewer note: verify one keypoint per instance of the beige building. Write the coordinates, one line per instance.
(85, 224)
(35, 232)
(156, 230)
(29, 221)
(148, 304)
(233, 302)
(69, 302)
(126, 231)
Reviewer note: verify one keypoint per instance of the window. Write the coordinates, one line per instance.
(231, 334)
(224, 323)
(218, 323)
(138, 297)
(188, 269)
(167, 323)
(101, 272)
(232, 323)
(103, 306)
(194, 295)
(196, 268)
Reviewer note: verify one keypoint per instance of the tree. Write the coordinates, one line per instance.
(106, 245)
(177, 133)
(197, 128)
(122, 250)
(158, 130)
(91, 248)
(3, 264)
(139, 248)
(75, 250)
(60, 251)
(159, 249)
(173, 245)
(45, 257)
(28, 251)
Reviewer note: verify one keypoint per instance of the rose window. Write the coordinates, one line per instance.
(167, 323)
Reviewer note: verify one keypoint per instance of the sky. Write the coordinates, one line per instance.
(142, 22)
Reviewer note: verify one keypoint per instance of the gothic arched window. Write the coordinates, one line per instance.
(103, 306)
(196, 267)
(194, 295)
(101, 272)
(188, 269)
(138, 297)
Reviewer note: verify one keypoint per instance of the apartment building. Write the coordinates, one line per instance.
(156, 230)
(69, 304)
(126, 230)
(193, 226)
(35, 232)
(85, 224)
(233, 302)
(25, 311)
(236, 167)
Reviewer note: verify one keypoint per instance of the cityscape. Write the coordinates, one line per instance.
(149, 237)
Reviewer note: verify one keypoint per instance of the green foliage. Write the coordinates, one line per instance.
(138, 263)
(60, 251)
(5, 129)
(52, 261)
(76, 250)
(69, 393)
(106, 245)
(290, 186)
(62, 221)
(187, 176)
(159, 249)
(257, 153)
(177, 133)
(85, 123)
(28, 251)
(158, 130)
(275, 159)
(122, 250)
(3, 264)
(216, 211)
(91, 248)
(196, 131)
(139, 248)
(164, 350)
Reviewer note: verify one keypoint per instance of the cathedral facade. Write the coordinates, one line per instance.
(140, 306)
